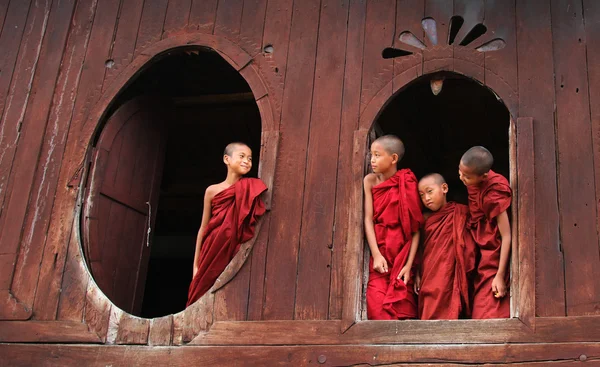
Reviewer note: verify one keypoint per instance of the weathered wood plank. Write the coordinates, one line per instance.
(349, 115)
(46, 332)
(161, 331)
(500, 20)
(316, 234)
(23, 180)
(379, 34)
(202, 15)
(151, 24)
(17, 102)
(353, 256)
(575, 161)
(253, 24)
(61, 217)
(501, 355)
(591, 12)
(125, 38)
(257, 275)
(409, 17)
(134, 330)
(74, 282)
(177, 17)
(3, 11)
(526, 222)
(282, 261)
(536, 75)
(229, 19)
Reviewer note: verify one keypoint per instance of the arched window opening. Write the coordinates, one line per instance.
(161, 145)
(438, 126)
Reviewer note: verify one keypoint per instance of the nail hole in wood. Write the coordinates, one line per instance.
(576, 90)
(109, 63)
(268, 49)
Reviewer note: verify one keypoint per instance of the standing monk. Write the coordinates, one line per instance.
(231, 209)
(392, 221)
(489, 198)
(448, 254)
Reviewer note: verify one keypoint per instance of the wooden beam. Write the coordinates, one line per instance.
(46, 332)
(27, 355)
(225, 98)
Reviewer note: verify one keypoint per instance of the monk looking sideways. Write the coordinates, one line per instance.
(448, 259)
(489, 198)
(392, 221)
(231, 209)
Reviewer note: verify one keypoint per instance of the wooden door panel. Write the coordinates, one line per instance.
(125, 180)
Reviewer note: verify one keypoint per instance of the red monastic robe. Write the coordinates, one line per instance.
(234, 212)
(447, 265)
(486, 201)
(396, 216)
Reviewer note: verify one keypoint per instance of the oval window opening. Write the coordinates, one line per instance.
(160, 146)
(439, 117)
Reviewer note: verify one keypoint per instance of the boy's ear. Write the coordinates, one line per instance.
(226, 159)
(445, 188)
(484, 176)
(395, 158)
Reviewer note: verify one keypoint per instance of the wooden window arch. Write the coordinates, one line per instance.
(113, 324)
(523, 228)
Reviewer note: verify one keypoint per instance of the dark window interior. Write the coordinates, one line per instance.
(437, 130)
(212, 106)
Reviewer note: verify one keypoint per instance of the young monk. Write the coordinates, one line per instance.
(489, 198)
(392, 220)
(448, 258)
(231, 209)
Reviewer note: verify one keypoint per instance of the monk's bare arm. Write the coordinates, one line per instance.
(379, 263)
(498, 285)
(414, 246)
(206, 213)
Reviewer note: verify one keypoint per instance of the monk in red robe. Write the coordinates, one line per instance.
(489, 198)
(449, 253)
(392, 221)
(231, 209)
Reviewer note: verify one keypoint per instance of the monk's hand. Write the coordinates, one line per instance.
(379, 264)
(499, 287)
(404, 274)
(417, 284)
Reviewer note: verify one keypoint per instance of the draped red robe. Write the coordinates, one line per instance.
(234, 212)
(486, 201)
(447, 264)
(396, 216)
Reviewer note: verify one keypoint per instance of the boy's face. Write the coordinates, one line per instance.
(468, 176)
(240, 160)
(432, 193)
(381, 160)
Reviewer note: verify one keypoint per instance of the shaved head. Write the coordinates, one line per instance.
(436, 177)
(392, 144)
(479, 159)
(231, 147)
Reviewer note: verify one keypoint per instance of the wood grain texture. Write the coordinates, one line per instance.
(318, 209)
(576, 190)
(282, 261)
(46, 332)
(591, 11)
(349, 121)
(176, 17)
(401, 355)
(526, 222)
(151, 24)
(202, 15)
(252, 26)
(228, 21)
(536, 93)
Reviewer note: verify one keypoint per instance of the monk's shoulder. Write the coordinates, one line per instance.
(213, 190)
(370, 180)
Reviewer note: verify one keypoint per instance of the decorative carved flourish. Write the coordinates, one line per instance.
(429, 25)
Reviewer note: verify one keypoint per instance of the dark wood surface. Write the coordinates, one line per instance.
(322, 87)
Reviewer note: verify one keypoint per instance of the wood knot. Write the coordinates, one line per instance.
(322, 359)
(583, 358)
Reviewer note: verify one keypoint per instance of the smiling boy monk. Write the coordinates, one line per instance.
(489, 198)
(392, 220)
(448, 254)
(231, 209)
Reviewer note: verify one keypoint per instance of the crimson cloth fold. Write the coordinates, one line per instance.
(396, 216)
(486, 201)
(447, 266)
(234, 213)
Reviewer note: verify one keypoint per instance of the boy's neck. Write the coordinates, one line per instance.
(389, 173)
(232, 177)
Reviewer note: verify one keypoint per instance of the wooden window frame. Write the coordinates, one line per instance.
(522, 161)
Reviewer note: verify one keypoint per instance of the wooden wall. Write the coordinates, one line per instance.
(61, 59)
